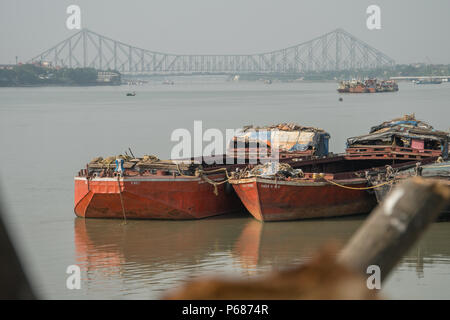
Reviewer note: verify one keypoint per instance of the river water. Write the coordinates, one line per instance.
(48, 134)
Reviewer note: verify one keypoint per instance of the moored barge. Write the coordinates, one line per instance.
(320, 189)
(272, 200)
(340, 186)
(154, 195)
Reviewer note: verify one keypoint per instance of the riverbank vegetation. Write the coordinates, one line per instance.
(36, 75)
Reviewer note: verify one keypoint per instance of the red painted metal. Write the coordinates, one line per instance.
(270, 200)
(153, 197)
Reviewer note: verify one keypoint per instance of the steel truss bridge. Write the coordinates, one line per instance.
(335, 51)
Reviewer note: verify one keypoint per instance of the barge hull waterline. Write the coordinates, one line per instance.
(170, 198)
(269, 200)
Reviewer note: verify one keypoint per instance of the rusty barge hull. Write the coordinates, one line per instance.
(158, 197)
(270, 200)
(358, 90)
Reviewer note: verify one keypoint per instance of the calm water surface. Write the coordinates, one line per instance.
(48, 134)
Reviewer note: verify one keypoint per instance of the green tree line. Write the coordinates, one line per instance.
(34, 75)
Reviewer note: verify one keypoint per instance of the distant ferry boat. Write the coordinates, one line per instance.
(428, 81)
(367, 86)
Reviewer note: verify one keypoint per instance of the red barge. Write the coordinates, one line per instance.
(270, 200)
(153, 196)
(339, 186)
(307, 192)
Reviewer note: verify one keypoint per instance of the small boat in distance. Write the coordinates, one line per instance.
(428, 81)
(131, 94)
(367, 86)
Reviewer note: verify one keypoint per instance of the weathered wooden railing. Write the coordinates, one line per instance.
(389, 152)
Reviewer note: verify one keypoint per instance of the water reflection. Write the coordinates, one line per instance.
(144, 258)
(156, 254)
(432, 249)
(152, 243)
(279, 244)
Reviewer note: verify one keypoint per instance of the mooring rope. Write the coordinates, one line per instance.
(180, 173)
(202, 175)
(375, 186)
(217, 170)
(121, 200)
(359, 188)
(214, 183)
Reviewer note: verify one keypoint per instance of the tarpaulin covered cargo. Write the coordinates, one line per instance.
(284, 137)
(404, 132)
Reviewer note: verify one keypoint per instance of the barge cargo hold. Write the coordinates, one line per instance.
(291, 139)
(320, 188)
(400, 139)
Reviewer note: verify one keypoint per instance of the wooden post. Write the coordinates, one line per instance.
(394, 226)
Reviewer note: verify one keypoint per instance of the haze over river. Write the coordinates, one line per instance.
(48, 134)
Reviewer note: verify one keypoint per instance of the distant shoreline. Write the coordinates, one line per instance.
(58, 85)
(39, 75)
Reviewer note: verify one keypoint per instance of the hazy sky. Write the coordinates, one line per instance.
(412, 30)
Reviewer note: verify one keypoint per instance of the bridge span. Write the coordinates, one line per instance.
(334, 51)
